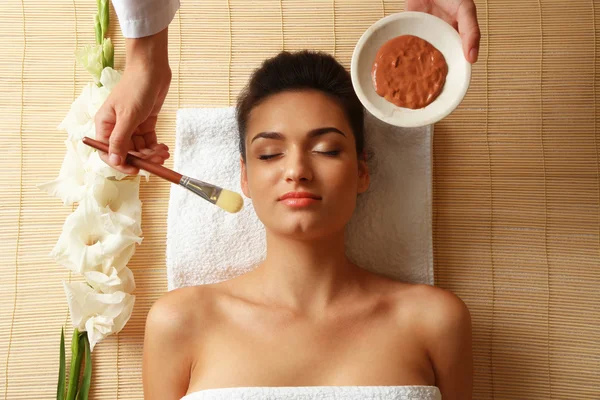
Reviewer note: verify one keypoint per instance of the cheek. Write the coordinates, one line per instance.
(261, 179)
(344, 180)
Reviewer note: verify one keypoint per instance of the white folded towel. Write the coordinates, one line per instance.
(319, 393)
(389, 233)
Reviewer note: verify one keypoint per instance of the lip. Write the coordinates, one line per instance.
(299, 195)
(299, 199)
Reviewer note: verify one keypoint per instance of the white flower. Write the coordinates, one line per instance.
(115, 281)
(77, 180)
(126, 202)
(83, 109)
(97, 313)
(93, 238)
(95, 163)
(79, 122)
(109, 77)
(70, 185)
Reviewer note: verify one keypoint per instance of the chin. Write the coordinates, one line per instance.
(303, 227)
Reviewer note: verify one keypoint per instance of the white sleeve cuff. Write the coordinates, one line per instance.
(139, 18)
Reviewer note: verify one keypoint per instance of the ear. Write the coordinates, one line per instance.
(364, 179)
(244, 178)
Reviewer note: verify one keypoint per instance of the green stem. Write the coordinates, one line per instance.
(104, 16)
(76, 357)
(87, 372)
(98, 29)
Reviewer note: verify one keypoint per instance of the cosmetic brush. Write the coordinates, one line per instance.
(226, 199)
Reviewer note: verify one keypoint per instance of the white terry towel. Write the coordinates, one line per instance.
(319, 393)
(389, 233)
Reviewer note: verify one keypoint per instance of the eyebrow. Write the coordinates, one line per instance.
(312, 133)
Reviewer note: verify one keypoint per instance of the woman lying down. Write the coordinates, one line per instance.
(307, 323)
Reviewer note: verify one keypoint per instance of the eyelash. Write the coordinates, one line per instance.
(267, 157)
(332, 153)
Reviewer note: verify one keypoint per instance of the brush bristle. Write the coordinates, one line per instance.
(230, 201)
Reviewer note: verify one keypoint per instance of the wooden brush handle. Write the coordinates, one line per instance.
(137, 162)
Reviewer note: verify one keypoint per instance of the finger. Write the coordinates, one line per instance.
(162, 154)
(417, 5)
(104, 121)
(138, 142)
(157, 159)
(128, 169)
(162, 150)
(160, 146)
(139, 154)
(159, 152)
(148, 130)
(154, 156)
(468, 28)
(124, 168)
(120, 139)
(442, 14)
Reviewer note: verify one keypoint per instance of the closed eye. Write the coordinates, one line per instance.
(268, 156)
(332, 153)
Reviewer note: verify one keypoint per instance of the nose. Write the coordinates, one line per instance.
(297, 167)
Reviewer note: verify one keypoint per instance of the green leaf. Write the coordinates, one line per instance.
(76, 358)
(87, 372)
(60, 389)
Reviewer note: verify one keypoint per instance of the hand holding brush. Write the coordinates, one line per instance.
(226, 199)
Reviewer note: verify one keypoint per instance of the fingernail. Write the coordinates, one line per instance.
(114, 159)
(473, 54)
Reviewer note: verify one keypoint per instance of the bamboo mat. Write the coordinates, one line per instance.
(516, 180)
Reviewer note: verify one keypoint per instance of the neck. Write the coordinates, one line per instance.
(306, 276)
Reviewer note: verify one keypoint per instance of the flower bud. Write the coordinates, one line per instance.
(90, 58)
(97, 29)
(108, 52)
(104, 16)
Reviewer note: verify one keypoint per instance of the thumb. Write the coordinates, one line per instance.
(120, 139)
(469, 30)
(104, 121)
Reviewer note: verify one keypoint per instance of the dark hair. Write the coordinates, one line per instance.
(297, 71)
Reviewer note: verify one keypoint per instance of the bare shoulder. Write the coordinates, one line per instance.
(444, 321)
(439, 313)
(440, 308)
(171, 325)
(180, 307)
(432, 308)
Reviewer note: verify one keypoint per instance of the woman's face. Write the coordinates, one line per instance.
(302, 171)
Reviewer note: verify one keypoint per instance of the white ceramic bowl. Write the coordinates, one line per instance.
(430, 28)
